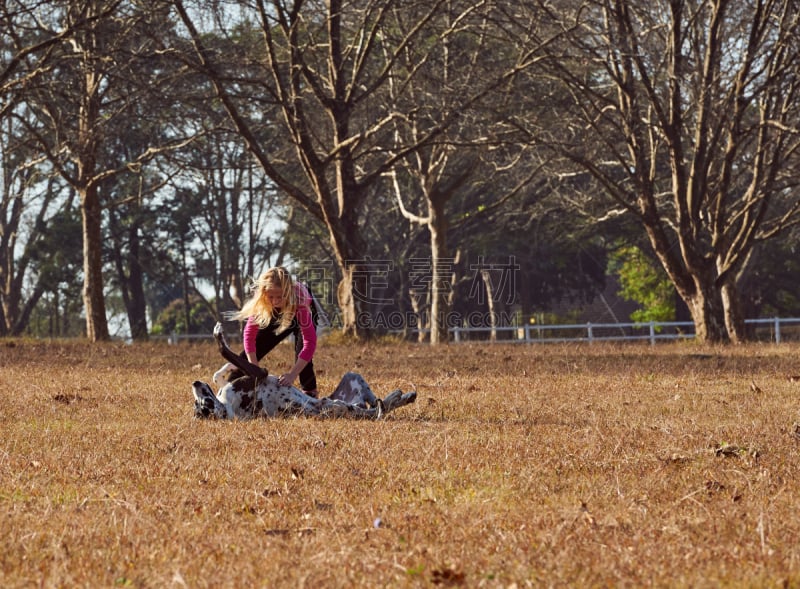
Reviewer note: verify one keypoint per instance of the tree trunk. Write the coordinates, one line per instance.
(93, 297)
(734, 318)
(137, 306)
(418, 307)
(129, 277)
(487, 283)
(345, 298)
(187, 315)
(440, 308)
(705, 305)
(27, 309)
(349, 250)
(695, 281)
(352, 295)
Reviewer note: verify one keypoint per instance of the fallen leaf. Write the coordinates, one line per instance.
(447, 576)
(588, 518)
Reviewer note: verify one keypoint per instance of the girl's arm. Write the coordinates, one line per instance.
(291, 376)
(249, 340)
(309, 335)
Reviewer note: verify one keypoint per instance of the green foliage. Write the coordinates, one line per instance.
(56, 261)
(57, 314)
(56, 254)
(173, 318)
(643, 282)
(769, 289)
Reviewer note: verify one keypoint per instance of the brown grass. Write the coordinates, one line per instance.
(518, 466)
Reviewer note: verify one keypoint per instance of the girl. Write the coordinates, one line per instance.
(279, 306)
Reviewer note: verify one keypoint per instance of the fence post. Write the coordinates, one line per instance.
(652, 333)
(589, 332)
(456, 334)
(777, 330)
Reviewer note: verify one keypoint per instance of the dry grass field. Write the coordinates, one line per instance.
(568, 466)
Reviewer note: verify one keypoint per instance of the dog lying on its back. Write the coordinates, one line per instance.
(259, 394)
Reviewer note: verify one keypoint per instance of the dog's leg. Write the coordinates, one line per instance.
(354, 398)
(354, 389)
(335, 408)
(222, 376)
(249, 369)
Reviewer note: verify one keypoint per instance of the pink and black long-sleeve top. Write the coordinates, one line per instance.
(302, 319)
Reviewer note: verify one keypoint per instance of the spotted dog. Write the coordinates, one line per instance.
(258, 394)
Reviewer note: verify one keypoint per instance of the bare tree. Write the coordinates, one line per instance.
(77, 102)
(28, 45)
(475, 71)
(324, 71)
(28, 199)
(685, 114)
(30, 193)
(234, 214)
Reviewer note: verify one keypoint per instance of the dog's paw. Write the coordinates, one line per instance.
(397, 399)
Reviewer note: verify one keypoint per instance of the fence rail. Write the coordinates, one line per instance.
(775, 329)
(175, 338)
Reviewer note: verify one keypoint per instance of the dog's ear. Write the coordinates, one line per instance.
(202, 410)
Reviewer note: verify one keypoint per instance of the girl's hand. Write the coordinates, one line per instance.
(286, 380)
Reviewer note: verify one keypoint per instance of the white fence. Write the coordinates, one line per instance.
(775, 330)
(765, 329)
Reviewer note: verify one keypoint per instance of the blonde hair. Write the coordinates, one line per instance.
(259, 306)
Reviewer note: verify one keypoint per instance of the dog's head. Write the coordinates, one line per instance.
(206, 405)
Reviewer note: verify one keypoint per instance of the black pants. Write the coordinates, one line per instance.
(267, 339)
